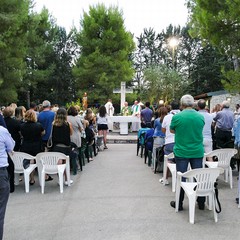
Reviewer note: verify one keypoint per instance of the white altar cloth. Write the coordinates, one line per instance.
(124, 120)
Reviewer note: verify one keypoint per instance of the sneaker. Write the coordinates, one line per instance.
(105, 147)
(66, 182)
(173, 204)
(161, 180)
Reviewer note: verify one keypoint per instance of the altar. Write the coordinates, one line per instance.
(123, 122)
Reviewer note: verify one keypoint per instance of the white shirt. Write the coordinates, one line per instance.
(6, 145)
(207, 129)
(170, 137)
(102, 120)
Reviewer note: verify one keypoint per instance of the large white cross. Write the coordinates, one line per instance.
(123, 92)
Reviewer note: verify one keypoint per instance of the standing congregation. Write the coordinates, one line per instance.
(186, 128)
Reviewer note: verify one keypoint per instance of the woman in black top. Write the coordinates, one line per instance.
(61, 132)
(13, 126)
(20, 113)
(31, 132)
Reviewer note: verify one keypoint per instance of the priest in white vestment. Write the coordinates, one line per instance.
(136, 109)
(110, 111)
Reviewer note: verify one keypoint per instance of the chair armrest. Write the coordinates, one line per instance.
(212, 164)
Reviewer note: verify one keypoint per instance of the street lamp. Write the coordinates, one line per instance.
(173, 43)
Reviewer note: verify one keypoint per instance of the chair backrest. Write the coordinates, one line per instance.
(224, 156)
(149, 143)
(170, 155)
(205, 178)
(142, 138)
(18, 157)
(50, 160)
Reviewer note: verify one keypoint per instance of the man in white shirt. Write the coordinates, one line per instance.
(207, 129)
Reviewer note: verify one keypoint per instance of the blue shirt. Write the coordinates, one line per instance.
(46, 118)
(236, 129)
(6, 145)
(146, 115)
(224, 119)
(158, 128)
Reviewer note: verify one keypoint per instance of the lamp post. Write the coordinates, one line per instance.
(173, 43)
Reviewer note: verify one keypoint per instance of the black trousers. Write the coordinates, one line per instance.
(10, 170)
(222, 138)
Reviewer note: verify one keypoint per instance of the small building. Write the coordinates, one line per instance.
(213, 98)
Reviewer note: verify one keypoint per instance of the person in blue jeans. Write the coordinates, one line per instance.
(188, 149)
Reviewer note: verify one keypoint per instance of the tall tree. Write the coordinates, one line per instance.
(146, 54)
(206, 72)
(219, 23)
(105, 48)
(13, 17)
(162, 82)
(152, 49)
(49, 59)
(39, 57)
(62, 81)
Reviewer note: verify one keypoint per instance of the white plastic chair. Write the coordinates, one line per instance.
(200, 183)
(48, 163)
(99, 142)
(172, 169)
(224, 156)
(17, 158)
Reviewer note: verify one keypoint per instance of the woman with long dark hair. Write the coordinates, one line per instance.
(158, 136)
(102, 123)
(61, 132)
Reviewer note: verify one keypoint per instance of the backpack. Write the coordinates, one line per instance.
(89, 134)
(159, 159)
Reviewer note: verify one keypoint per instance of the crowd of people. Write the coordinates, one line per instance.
(189, 129)
(186, 128)
(47, 127)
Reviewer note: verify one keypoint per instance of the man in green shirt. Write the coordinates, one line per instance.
(188, 126)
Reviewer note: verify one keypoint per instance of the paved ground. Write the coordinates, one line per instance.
(116, 197)
(115, 137)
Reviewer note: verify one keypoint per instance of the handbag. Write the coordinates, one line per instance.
(218, 207)
(26, 163)
(50, 142)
